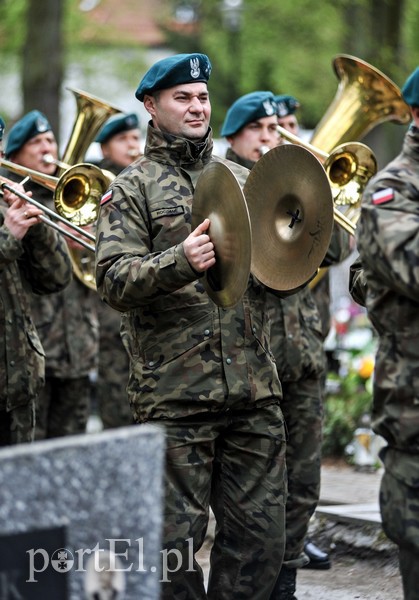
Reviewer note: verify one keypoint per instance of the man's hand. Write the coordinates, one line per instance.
(199, 250)
(20, 215)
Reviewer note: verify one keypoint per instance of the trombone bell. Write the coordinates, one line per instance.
(78, 193)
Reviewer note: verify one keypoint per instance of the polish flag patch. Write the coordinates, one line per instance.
(383, 196)
(106, 197)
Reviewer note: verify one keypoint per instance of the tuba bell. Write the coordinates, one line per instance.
(91, 114)
(365, 98)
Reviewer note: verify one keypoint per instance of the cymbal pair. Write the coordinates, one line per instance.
(278, 227)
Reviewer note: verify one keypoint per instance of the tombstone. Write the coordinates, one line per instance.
(83, 511)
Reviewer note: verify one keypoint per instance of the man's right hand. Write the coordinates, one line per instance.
(199, 250)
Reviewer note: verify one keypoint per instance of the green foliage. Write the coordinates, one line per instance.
(284, 47)
(12, 25)
(289, 46)
(344, 408)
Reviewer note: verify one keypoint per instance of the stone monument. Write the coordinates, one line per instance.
(81, 514)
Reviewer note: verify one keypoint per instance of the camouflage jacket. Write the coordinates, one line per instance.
(188, 356)
(37, 264)
(388, 243)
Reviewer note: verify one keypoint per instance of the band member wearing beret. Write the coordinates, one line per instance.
(66, 321)
(387, 281)
(204, 373)
(287, 106)
(33, 260)
(250, 127)
(340, 248)
(119, 141)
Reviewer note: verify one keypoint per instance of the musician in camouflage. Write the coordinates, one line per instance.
(33, 259)
(66, 321)
(203, 372)
(250, 127)
(388, 243)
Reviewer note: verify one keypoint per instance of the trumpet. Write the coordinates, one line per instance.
(7, 185)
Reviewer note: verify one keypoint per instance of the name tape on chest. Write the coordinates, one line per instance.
(167, 211)
(383, 196)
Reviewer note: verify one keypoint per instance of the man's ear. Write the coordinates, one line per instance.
(150, 104)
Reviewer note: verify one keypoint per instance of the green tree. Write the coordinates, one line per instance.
(42, 64)
(289, 46)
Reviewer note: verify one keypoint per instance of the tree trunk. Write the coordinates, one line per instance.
(42, 69)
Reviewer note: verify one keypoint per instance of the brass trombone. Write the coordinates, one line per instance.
(8, 185)
(77, 191)
(79, 187)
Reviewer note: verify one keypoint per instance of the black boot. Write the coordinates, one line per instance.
(285, 585)
(318, 558)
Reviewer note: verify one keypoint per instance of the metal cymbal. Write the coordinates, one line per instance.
(291, 211)
(219, 197)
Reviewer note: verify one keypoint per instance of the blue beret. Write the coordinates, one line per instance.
(287, 105)
(246, 109)
(2, 126)
(168, 72)
(410, 90)
(32, 124)
(117, 124)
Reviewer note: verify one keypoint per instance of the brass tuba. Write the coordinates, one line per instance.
(92, 112)
(365, 98)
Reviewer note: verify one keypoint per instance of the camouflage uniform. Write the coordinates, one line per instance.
(68, 328)
(388, 243)
(38, 263)
(113, 371)
(205, 373)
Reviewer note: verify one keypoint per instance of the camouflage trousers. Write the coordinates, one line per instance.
(399, 507)
(18, 425)
(302, 407)
(62, 407)
(235, 463)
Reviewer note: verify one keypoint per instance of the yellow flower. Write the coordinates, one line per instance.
(366, 367)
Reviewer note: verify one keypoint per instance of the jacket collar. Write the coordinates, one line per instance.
(178, 151)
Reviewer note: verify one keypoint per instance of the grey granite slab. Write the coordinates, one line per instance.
(69, 505)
